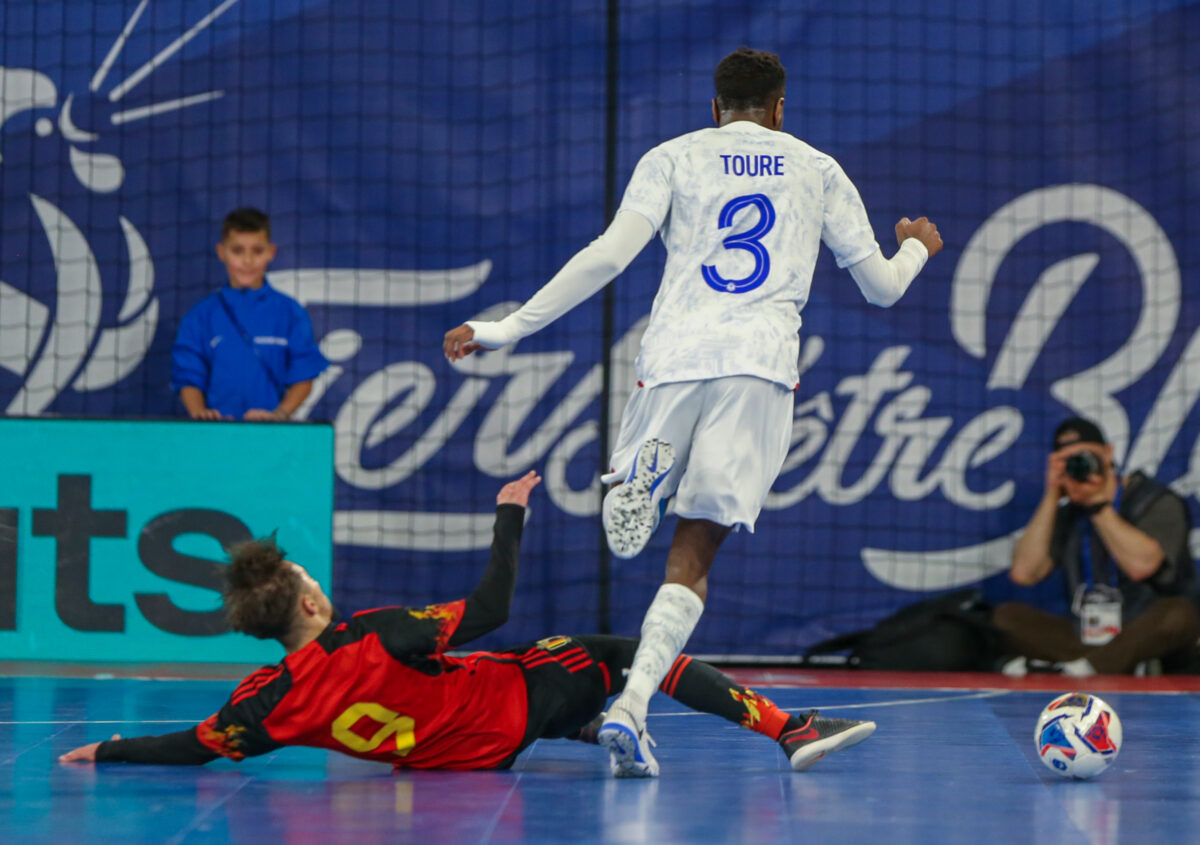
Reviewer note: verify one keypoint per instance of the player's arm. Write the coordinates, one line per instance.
(236, 731)
(181, 748)
(407, 632)
(846, 230)
(883, 281)
(486, 609)
(590, 269)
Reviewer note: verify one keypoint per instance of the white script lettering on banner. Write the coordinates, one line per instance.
(887, 400)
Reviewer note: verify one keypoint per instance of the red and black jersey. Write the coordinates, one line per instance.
(378, 687)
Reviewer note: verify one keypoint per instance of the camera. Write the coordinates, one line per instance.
(1083, 465)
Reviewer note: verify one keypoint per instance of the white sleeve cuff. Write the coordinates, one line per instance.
(918, 249)
(492, 335)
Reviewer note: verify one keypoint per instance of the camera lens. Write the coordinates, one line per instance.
(1083, 465)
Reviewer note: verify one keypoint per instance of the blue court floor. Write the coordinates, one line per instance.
(947, 765)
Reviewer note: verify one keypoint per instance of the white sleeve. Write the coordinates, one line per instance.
(845, 228)
(883, 282)
(649, 191)
(590, 269)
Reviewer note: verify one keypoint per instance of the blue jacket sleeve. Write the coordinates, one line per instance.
(189, 364)
(305, 360)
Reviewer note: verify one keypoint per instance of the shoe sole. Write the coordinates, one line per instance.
(630, 513)
(622, 745)
(806, 756)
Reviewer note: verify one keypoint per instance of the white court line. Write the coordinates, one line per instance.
(898, 702)
(931, 700)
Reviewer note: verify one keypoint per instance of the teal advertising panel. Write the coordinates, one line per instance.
(113, 533)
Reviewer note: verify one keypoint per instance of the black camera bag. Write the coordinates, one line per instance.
(945, 633)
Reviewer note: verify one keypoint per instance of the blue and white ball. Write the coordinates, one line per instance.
(1078, 735)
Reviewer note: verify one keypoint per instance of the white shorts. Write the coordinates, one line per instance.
(731, 436)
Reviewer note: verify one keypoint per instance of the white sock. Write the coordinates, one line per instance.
(1081, 668)
(665, 630)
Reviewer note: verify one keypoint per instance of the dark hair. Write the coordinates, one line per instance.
(749, 79)
(261, 589)
(246, 219)
(1087, 430)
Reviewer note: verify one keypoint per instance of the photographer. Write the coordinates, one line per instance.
(1123, 546)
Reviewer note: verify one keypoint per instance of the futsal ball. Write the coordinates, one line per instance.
(1078, 735)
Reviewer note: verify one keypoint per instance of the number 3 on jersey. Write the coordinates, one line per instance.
(748, 240)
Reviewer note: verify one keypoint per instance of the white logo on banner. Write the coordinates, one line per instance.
(67, 357)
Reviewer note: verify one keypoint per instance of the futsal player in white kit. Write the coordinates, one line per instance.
(742, 209)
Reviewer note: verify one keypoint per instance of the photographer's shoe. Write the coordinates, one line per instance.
(809, 737)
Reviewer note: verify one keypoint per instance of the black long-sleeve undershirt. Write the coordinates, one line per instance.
(181, 748)
(488, 605)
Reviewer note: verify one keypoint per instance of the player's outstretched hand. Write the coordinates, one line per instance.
(457, 343)
(517, 492)
(921, 229)
(84, 753)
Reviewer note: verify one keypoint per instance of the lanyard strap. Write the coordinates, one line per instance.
(249, 341)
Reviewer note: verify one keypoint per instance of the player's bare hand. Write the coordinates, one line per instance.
(84, 753)
(457, 343)
(206, 414)
(923, 230)
(517, 492)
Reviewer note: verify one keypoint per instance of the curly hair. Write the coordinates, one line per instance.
(246, 219)
(749, 79)
(261, 589)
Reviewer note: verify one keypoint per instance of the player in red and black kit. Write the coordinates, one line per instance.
(381, 686)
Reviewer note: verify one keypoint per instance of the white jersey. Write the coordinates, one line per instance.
(742, 210)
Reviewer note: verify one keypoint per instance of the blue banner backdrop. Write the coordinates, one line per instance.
(426, 163)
